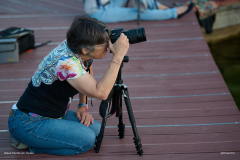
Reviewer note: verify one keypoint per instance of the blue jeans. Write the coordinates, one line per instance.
(54, 136)
(114, 12)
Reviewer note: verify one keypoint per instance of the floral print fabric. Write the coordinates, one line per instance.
(61, 63)
(205, 8)
(68, 67)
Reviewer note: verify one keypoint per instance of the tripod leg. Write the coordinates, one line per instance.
(121, 127)
(100, 135)
(118, 102)
(136, 138)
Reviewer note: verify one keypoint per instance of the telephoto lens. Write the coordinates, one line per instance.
(134, 35)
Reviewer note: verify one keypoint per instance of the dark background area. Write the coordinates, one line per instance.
(226, 54)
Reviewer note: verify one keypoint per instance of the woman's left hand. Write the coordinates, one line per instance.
(85, 118)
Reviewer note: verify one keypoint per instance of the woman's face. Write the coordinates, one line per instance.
(100, 51)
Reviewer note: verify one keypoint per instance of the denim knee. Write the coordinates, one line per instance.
(71, 148)
(90, 142)
(96, 126)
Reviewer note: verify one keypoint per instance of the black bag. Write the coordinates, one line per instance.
(105, 104)
(25, 37)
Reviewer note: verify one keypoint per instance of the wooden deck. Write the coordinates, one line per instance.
(182, 106)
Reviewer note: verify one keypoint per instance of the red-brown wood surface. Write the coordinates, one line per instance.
(182, 106)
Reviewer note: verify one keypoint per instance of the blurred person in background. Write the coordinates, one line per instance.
(111, 11)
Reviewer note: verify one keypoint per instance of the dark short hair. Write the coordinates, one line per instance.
(86, 32)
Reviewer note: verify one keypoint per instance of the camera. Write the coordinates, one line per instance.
(134, 35)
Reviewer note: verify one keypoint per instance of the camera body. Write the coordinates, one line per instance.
(134, 35)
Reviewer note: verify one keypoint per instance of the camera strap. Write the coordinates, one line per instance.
(105, 104)
(102, 3)
(87, 69)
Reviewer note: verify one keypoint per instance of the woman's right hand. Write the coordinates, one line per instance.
(120, 47)
(84, 117)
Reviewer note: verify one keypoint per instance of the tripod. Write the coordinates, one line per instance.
(116, 94)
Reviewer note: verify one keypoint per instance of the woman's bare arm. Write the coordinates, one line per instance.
(88, 86)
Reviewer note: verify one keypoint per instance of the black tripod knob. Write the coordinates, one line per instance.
(125, 59)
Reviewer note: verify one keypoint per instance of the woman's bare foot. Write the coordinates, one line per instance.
(161, 6)
(181, 9)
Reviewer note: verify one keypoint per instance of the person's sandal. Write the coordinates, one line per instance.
(17, 144)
